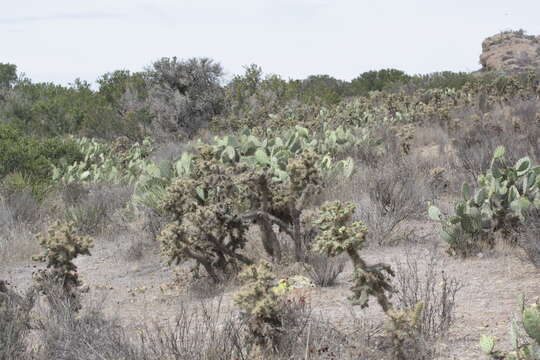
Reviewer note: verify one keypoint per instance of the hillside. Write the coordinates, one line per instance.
(176, 216)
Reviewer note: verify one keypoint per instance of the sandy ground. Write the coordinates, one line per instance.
(135, 291)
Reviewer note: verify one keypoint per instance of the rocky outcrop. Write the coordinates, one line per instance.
(511, 51)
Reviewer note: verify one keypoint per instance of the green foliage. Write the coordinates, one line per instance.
(28, 162)
(61, 246)
(8, 75)
(274, 152)
(321, 89)
(524, 337)
(439, 80)
(499, 202)
(253, 100)
(118, 162)
(376, 81)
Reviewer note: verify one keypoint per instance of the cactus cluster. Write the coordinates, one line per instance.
(274, 151)
(204, 209)
(503, 196)
(115, 163)
(213, 207)
(61, 246)
(523, 347)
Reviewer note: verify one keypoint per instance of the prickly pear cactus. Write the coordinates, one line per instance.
(498, 204)
(522, 349)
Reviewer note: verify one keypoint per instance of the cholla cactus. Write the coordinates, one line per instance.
(61, 246)
(262, 301)
(205, 211)
(339, 234)
(521, 350)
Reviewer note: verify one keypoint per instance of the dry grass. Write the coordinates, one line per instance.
(323, 270)
(431, 286)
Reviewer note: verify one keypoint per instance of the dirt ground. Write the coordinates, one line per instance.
(136, 291)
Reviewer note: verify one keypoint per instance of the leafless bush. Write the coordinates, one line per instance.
(74, 193)
(322, 270)
(153, 222)
(528, 238)
(94, 210)
(17, 242)
(430, 286)
(87, 335)
(21, 206)
(204, 331)
(393, 194)
(135, 250)
(514, 127)
(373, 153)
(14, 322)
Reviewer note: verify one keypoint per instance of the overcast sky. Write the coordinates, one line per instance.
(60, 40)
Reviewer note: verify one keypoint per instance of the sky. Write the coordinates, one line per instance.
(61, 40)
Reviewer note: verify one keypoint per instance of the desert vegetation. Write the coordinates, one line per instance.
(168, 214)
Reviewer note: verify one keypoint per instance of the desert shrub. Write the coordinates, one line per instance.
(21, 206)
(394, 192)
(497, 205)
(260, 102)
(514, 128)
(323, 270)
(431, 287)
(439, 80)
(32, 158)
(17, 241)
(376, 81)
(321, 89)
(61, 245)
(524, 336)
(8, 75)
(204, 331)
(15, 319)
(96, 206)
(204, 209)
(527, 235)
(186, 93)
(63, 333)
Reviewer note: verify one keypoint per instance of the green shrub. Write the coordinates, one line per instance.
(376, 80)
(28, 162)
